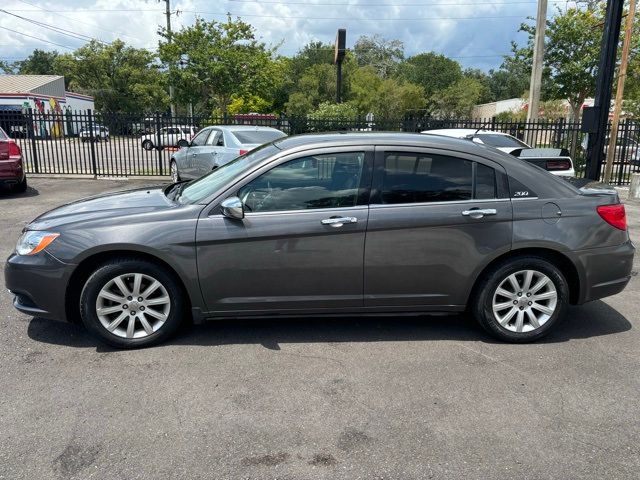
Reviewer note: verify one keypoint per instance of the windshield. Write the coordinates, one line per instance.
(257, 136)
(3, 136)
(501, 140)
(200, 189)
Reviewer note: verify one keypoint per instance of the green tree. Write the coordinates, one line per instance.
(318, 85)
(39, 62)
(458, 100)
(219, 59)
(512, 79)
(332, 116)
(431, 71)
(384, 97)
(484, 79)
(572, 47)
(119, 77)
(378, 52)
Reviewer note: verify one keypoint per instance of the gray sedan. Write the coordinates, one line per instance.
(348, 224)
(212, 147)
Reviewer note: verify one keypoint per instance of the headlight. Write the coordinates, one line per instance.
(34, 241)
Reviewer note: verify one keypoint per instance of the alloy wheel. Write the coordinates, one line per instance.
(524, 301)
(133, 305)
(175, 177)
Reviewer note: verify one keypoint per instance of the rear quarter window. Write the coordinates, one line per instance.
(518, 190)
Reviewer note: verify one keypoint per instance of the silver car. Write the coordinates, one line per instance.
(215, 146)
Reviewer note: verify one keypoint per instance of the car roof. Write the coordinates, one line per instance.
(462, 132)
(374, 138)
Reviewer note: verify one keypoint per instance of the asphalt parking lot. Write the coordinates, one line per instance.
(343, 398)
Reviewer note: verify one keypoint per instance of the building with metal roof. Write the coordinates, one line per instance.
(39, 92)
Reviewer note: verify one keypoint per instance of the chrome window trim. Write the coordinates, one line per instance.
(306, 210)
(426, 204)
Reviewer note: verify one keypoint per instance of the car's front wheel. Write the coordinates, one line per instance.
(522, 299)
(182, 143)
(131, 303)
(147, 145)
(175, 174)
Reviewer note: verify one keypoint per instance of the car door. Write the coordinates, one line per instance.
(301, 243)
(194, 151)
(208, 154)
(435, 220)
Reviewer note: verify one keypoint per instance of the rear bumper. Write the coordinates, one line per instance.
(604, 271)
(11, 172)
(38, 284)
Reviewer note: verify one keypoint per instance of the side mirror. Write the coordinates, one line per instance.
(232, 207)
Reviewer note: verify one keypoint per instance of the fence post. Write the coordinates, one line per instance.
(623, 150)
(92, 144)
(559, 133)
(158, 142)
(32, 136)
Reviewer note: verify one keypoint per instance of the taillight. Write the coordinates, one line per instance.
(14, 150)
(614, 215)
(242, 152)
(558, 165)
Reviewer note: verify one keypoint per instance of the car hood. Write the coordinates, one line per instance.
(112, 205)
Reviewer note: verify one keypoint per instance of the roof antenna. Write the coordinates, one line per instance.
(471, 135)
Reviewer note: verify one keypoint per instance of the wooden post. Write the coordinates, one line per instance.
(611, 151)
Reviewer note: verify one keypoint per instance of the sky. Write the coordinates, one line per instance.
(476, 33)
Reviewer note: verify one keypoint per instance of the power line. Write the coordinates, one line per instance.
(90, 24)
(59, 30)
(342, 4)
(38, 38)
(305, 17)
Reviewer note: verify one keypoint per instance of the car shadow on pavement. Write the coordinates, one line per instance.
(6, 193)
(585, 321)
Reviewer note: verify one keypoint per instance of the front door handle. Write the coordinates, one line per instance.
(338, 221)
(479, 212)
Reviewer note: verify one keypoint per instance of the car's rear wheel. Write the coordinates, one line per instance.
(182, 143)
(131, 303)
(22, 186)
(147, 145)
(175, 174)
(522, 299)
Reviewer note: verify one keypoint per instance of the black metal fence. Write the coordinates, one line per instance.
(117, 145)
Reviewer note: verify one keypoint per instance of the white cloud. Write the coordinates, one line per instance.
(422, 25)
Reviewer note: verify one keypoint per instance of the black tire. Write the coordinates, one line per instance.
(182, 143)
(147, 145)
(121, 266)
(21, 187)
(482, 302)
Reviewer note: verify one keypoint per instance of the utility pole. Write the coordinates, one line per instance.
(613, 138)
(538, 57)
(167, 12)
(604, 82)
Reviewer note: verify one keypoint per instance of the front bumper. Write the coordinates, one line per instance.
(604, 271)
(38, 283)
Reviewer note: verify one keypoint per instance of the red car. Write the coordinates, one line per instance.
(12, 171)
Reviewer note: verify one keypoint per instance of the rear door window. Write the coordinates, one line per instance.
(420, 178)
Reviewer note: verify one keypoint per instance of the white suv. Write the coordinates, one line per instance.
(177, 136)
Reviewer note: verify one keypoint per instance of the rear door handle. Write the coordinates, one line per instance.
(479, 212)
(338, 221)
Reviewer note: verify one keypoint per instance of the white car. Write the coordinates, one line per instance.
(99, 133)
(176, 136)
(557, 165)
